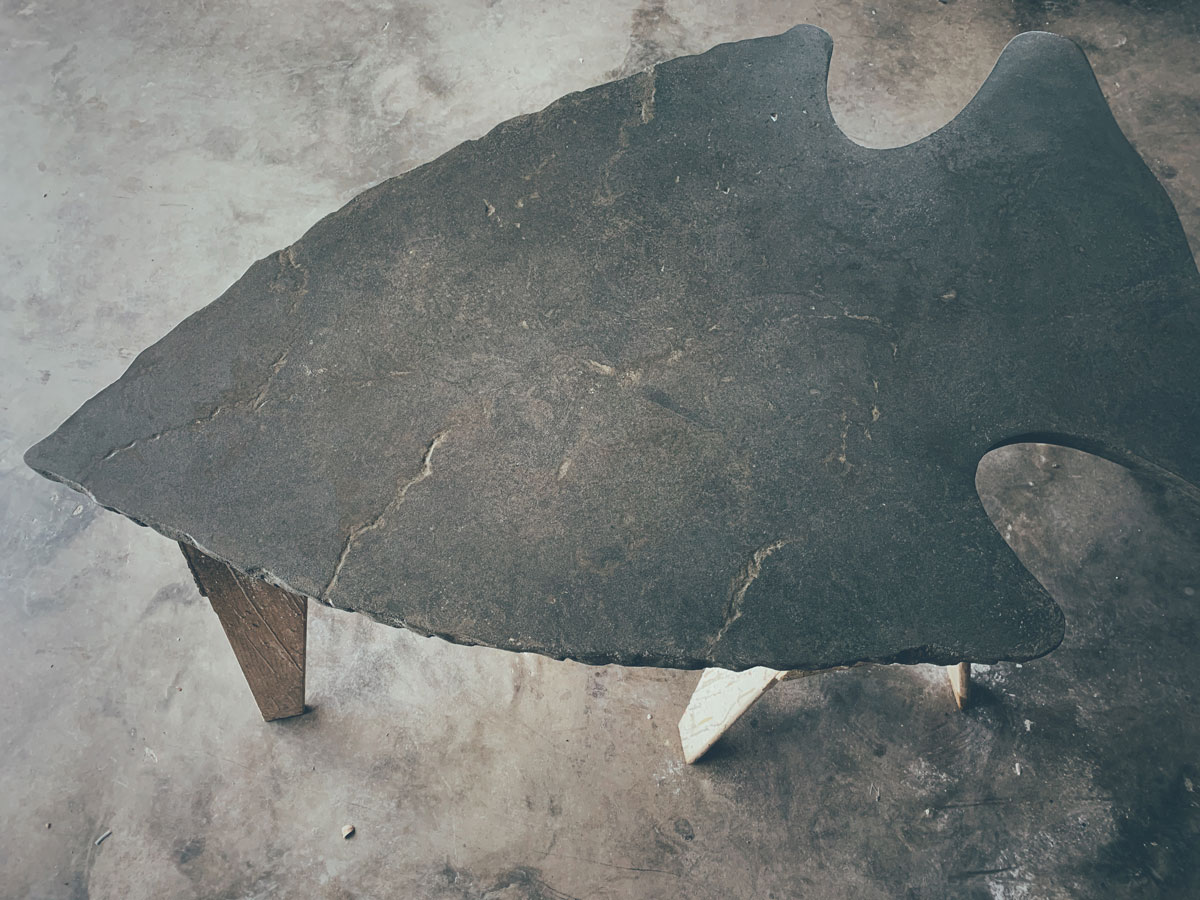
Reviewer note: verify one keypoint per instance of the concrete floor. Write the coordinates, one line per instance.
(152, 150)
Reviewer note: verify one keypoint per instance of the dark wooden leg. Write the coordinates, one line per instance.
(266, 626)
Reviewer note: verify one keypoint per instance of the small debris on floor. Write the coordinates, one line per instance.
(104, 837)
(347, 831)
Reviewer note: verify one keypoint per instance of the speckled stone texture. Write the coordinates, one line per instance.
(674, 373)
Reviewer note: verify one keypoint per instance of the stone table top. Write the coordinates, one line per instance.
(674, 373)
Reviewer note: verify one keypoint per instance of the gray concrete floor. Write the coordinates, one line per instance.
(152, 150)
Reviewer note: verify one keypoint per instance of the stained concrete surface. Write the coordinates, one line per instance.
(152, 151)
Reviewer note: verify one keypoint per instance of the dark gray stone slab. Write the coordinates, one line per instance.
(674, 373)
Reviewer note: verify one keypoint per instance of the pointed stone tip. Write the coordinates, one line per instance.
(40, 458)
(805, 29)
(1031, 50)
(30, 457)
(808, 37)
(1042, 39)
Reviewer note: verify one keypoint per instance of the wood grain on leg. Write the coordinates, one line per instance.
(266, 626)
(960, 683)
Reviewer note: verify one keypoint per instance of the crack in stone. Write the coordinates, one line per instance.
(254, 402)
(840, 456)
(395, 503)
(846, 314)
(649, 88)
(741, 584)
(874, 320)
(604, 196)
(631, 373)
(600, 368)
(290, 269)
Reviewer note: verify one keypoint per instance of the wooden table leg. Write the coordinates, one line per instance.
(266, 626)
(960, 683)
(721, 697)
(719, 700)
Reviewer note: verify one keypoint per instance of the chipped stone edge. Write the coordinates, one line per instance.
(925, 654)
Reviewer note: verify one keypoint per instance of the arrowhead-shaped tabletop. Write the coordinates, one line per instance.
(674, 373)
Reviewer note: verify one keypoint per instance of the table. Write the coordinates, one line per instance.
(671, 373)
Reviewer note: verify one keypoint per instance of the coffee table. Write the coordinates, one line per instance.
(672, 373)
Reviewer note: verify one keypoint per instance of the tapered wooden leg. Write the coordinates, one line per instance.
(266, 626)
(720, 698)
(960, 683)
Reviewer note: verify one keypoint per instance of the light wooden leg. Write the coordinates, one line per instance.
(960, 683)
(720, 698)
(266, 626)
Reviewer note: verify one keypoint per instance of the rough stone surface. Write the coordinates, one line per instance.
(153, 151)
(674, 373)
